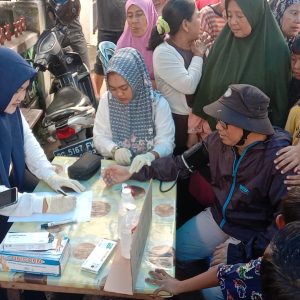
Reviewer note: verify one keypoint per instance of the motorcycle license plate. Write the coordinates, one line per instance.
(76, 149)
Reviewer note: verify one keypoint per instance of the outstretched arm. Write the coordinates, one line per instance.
(174, 286)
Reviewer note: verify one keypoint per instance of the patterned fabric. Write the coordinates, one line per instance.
(241, 281)
(132, 124)
(210, 22)
(278, 8)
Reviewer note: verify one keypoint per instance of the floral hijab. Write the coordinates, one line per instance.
(132, 124)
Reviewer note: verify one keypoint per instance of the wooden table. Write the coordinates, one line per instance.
(158, 253)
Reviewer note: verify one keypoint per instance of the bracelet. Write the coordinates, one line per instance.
(113, 151)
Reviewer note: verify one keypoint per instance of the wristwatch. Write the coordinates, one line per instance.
(113, 151)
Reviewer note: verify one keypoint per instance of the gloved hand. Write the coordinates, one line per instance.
(141, 160)
(123, 156)
(60, 204)
(56, 182)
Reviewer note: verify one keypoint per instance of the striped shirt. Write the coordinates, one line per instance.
(211, 22)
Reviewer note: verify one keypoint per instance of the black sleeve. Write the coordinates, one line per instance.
(164, 169)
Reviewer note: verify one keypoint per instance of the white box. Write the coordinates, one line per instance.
(16, 241)
(48, 262)
(98, 256)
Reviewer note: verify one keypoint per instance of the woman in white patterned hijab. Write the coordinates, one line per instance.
(133, 120)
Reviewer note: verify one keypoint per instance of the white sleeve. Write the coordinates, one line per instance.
(169, 66)
(35, 157)
(102, 134)
(27, 205)
(164, 127)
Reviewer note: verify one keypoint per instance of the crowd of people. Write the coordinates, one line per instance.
(213, 92)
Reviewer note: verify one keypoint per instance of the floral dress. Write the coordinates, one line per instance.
(241, 281)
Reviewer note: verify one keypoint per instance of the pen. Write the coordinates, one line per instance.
(53, 224)
(62, 192)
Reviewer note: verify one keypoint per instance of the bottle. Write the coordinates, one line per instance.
(125, 201)
(126, 217)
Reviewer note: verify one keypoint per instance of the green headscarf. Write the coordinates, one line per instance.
(261, 59)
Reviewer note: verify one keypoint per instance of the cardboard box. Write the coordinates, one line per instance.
(48, 262)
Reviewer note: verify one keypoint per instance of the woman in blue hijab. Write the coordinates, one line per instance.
(19, 148)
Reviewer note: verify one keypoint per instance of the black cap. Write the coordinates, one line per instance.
(244, 106)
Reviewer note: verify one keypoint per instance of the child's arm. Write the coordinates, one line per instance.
(174, 286)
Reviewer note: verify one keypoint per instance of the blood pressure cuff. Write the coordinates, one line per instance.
(85, 167)
(196, 157)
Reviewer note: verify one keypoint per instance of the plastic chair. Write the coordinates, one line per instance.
(105, 52)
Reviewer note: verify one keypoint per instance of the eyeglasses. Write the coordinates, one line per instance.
(223, 124)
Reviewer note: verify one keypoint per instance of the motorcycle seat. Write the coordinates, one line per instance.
(66, 98)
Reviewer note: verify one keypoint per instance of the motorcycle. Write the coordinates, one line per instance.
(72, 111)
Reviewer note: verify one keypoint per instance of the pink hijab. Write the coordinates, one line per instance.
(140, 43)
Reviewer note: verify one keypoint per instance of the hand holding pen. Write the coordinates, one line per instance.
(57, 223)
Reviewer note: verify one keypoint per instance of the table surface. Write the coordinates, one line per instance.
(159, 249)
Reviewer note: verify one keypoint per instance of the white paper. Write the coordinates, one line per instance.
(82, 212)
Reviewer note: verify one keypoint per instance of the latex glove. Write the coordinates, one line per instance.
(123, 156)
(60, 204)
(141, 160)
(56, 182)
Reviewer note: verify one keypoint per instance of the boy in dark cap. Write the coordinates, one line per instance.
(247, 186)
